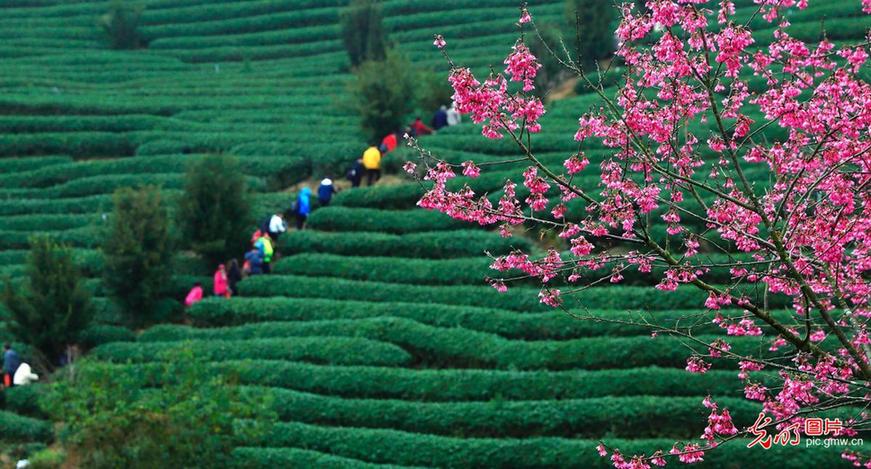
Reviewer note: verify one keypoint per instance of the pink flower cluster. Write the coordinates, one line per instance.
(719, 423)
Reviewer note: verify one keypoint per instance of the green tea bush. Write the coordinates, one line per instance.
(518, 299)
(23, 400)
(471, 384)
(429, 245)
(620, 417)
(360, 219)
(505, 323)
(17, 428)
(452, 347)
(268, 458)
(396, 447)
(335, 350)
(459, 271)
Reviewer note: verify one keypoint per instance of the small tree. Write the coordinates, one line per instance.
(121, 25)
(383, 94)
(433, 91)
(137, 251)
(214, 211)
(363, 31)
(53, 306)
(591, 26)
(547, 46)
(179, 414)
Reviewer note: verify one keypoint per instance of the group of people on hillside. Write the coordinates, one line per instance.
(369, 164)
(15, 371)
(258, 260)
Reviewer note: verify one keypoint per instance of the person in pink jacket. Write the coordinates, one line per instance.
(220, 282)
(195, 295)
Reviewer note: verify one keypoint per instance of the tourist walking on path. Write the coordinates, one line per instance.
(389, 142)
(254, 262)
(355, 174)
(277, 226)
(264, 246)
(195, 295)
(303, 207)
(219, 285)
(418, 128)
(11, 362)
(326, 191)
(234, 276)
(372, 164)
(453, 115)
(440, 118)
(24, 375)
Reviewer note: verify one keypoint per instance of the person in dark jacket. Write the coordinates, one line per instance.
(355, 174)
(255, 261)
(326, 191)
(440, 119)
(234, 276)
(11, 362)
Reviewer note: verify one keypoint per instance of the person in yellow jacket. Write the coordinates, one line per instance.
(372, 164)
(264, 245)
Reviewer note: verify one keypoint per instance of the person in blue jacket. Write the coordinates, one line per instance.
(303, 207)
(254, 262)
(11, 362)
(326, 191)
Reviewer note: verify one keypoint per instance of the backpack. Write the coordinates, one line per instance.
(294, 207)
(351, 174)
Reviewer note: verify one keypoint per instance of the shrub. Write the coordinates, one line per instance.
(214, 212)
(627, 417)
(461, 348)
(23, 400)
(397, 447)
(363, 31)
(17, 428)
(383, 94)
(294, 457)
(121, 25)
(517, 299)
(505, 323)
(469, 384)
(108, 420)
(137, 252)
(54, 306)
(98, 334)
(337, 350)
(429, 245)
(361, 219)
(463, 271)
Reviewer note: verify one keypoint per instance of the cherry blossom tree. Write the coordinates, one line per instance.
(753, 147)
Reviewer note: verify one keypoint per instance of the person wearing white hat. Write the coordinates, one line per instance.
(326, 191)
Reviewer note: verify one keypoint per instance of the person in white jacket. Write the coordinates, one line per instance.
(24, 375)
(453, 116)
(277, 226)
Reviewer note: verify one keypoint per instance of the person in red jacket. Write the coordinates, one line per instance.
(195, 295)
(389, 142)
(419, 128)
(219, 286)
